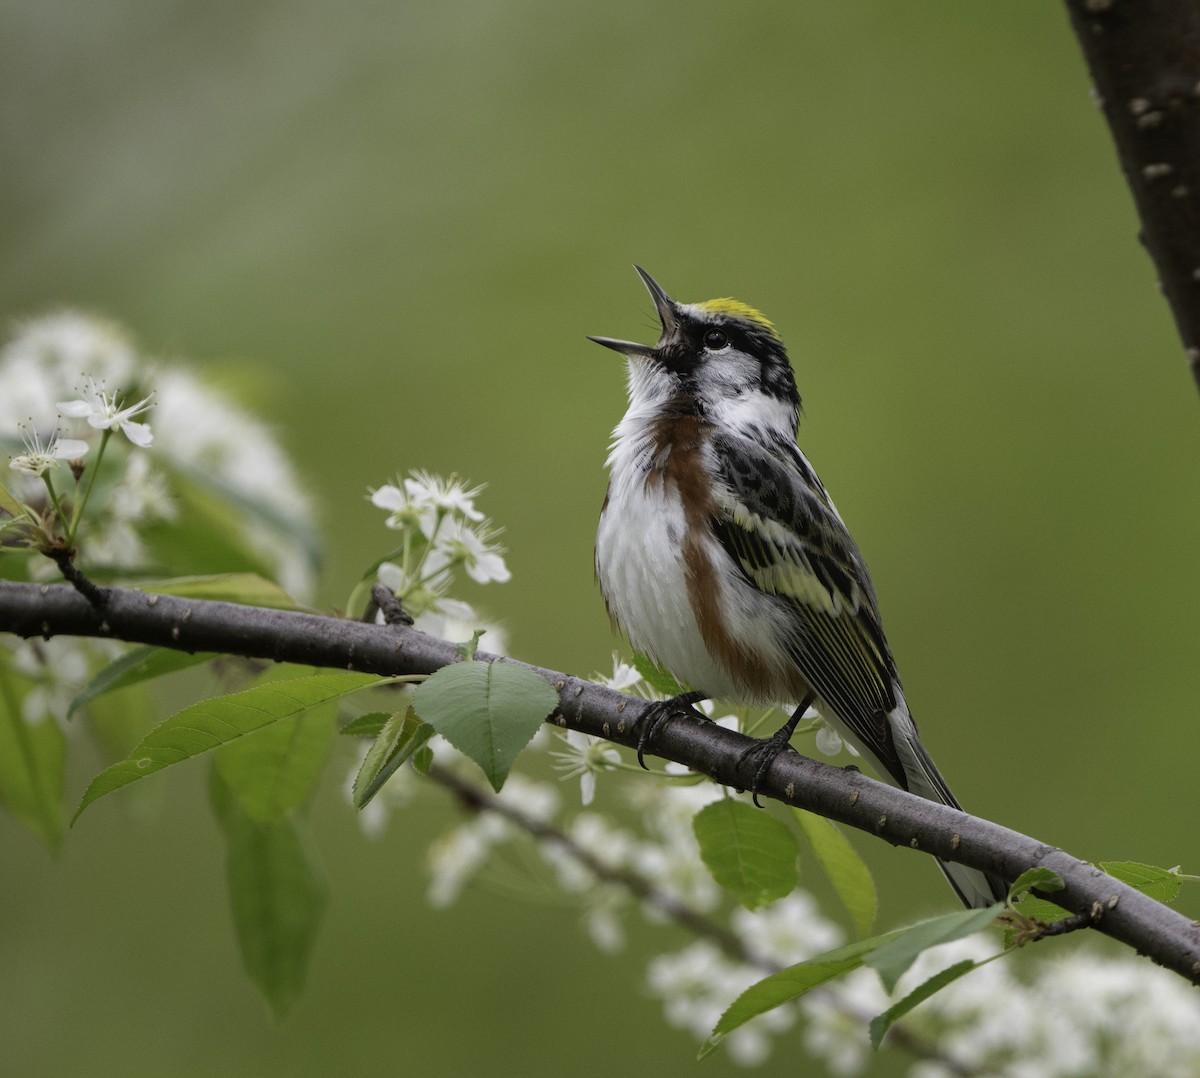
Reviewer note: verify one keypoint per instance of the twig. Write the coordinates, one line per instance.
(393, 610)
(95, 595)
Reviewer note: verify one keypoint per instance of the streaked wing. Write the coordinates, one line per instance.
(775, 520)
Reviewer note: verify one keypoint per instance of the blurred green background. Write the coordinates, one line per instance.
(395, 223)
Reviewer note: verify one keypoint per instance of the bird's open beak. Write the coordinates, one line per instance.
(666, 315)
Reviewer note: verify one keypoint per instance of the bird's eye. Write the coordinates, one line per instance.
(715, 340)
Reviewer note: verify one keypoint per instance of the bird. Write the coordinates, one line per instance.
(723, 559)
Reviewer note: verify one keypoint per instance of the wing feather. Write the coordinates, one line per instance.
(775, 520)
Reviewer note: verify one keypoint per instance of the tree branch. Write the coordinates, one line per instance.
(845, 796)
(1144, 59)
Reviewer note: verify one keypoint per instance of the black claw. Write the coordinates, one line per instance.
(763, 753)
(656, 715)
(766, 750)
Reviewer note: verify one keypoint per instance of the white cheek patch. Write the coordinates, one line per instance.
(752, 411)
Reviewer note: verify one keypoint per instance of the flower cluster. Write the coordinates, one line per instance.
(441, 532)
(55, 376)
(124, 476)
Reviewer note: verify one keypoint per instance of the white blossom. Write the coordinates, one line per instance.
(482, 559)
(625, 676)
(39, 459)
(828, 740)
(103, 411)
(427, 491)
(45, 356)
(585, 756)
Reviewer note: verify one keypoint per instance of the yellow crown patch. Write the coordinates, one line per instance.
(735, 308)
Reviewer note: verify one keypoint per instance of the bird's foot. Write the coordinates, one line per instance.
(656, 715)
(764, 752)
(761, 755)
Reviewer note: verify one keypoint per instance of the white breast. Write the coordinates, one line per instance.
(640, 564)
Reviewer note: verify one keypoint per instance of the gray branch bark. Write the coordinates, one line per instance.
(848, 797)
(1144, 58)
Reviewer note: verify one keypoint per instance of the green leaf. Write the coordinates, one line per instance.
(1039, 909)
(791, 983)
(370, 725)
(275, 771)
(32, 763)
(211, 723)
(9, 504)
(400, 737)
(250, 589)
(423, 759)
(846, 870)
(277, 894)
(881, 1024)
(749, 852)
(141, 664)
(488, 711)
(1161, 884)
(655, 676)
(1035, 879)
(893, 958)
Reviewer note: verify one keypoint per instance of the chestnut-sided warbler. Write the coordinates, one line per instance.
(723, 559)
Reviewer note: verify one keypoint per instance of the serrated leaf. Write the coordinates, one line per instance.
(1158, 883)
(893, 959)
(365, 725)
(655, 676)
(141, 664)
(791, 983)
(488, 711)
(1036, 879)
(749, 852)
(848, 873)
(249, 589)
(881, 1024)
(274, 771)
(277, 895)
(422, 759)
(32, 764)
(211, 723)
(402, 735)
